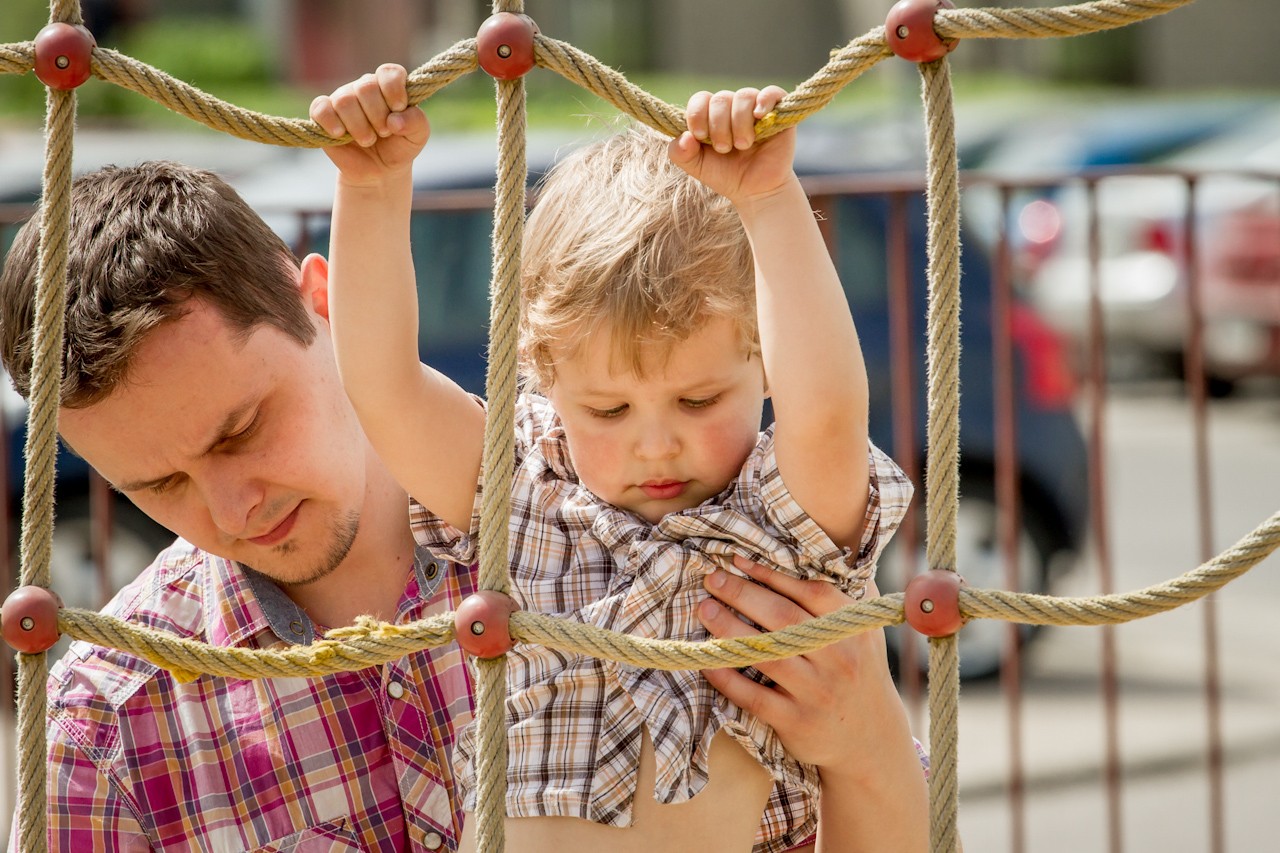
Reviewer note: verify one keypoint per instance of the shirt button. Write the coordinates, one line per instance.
(432, 569)
(432, 841)
(396, 691)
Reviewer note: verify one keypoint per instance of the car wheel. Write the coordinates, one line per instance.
(984, 643)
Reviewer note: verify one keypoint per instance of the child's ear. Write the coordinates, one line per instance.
(313, 281)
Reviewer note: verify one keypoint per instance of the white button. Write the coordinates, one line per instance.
(396, 691)
(432, 841)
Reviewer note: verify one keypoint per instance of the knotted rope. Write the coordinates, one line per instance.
(368, 642)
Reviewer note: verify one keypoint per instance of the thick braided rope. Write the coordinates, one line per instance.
(381, 642)
(42, 439)
(499, 444)
(1053, 22)
(943, 432)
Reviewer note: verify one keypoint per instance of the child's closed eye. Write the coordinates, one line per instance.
(607, 413)
(701, 403)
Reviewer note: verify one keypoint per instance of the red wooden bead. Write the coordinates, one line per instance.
(931, 603)
(504, 45)
(909, 30)
(29, 619)
(63, 55)
(481, 624)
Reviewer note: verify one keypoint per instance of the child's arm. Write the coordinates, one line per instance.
(811, 354)
(427, 430)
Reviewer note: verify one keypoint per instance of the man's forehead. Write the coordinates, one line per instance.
(186, 383)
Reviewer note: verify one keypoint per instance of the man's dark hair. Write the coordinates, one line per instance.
(144, 240)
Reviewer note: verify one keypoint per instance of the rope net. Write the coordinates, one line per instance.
(368, 642)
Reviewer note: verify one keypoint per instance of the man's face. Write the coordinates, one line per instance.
(244, 446)
(668, 441)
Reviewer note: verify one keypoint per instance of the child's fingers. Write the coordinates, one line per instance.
(373, 103)
(323, 113)
(720, 122)
(349, 110)
(768, 98)
(695, 115)
(393, 82)
(743, 117)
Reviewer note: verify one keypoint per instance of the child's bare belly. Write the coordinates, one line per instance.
(723, 818)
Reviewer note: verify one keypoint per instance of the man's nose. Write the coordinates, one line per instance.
(231, 498)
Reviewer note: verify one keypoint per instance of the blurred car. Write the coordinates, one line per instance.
(1143, 281)
(450, 235)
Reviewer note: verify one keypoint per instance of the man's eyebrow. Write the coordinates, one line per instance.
(224, 430)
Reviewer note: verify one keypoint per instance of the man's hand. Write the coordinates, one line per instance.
(835, 707)
(823, 699)
(386, 134)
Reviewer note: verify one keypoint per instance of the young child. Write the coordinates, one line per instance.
(668, 287)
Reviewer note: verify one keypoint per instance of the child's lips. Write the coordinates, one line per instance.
(664, 490)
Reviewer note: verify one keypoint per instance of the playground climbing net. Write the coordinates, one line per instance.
(63, 56)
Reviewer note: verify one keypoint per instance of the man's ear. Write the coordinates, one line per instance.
(313, 281)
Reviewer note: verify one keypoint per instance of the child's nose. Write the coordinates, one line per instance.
(656, 440)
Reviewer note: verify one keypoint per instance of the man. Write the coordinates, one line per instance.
(200, 381)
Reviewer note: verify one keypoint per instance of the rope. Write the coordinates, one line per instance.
(942, 494)
(1048, 23)
(17, 58)
(369, 642)
(372, 643)
(499, 451)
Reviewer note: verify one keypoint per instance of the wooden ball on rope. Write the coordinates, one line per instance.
(64, 54)
(909, 30)
(29, 619)
(504, 45)
(931, 603)
(481, 624)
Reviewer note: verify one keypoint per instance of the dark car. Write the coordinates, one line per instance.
(451, 244)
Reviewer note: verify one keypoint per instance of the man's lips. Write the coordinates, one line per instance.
(663, 490)
(280, 531)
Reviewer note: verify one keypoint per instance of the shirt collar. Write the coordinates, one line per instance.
(254, 602)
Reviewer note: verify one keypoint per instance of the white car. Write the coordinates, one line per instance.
(1143, 283)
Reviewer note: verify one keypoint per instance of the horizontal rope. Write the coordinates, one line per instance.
(367, 643)
(370, 643)
(1118, 608)
(217, 114)
(1054, 22)
(17, 58)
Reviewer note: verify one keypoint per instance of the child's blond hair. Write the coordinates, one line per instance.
(624, 239)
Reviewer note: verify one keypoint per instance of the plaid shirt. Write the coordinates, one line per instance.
(355, 761)
(575, 722)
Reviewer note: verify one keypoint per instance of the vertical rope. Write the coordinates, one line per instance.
(42, 441)
(500, 390)
(942, 488)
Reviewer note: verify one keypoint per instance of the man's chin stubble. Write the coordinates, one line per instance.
(345, 532)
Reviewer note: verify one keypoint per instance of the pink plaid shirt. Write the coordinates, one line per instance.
(357, 761)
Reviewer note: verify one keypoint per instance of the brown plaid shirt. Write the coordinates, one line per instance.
(575, 722)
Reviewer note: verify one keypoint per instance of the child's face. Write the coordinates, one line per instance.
(670, 440)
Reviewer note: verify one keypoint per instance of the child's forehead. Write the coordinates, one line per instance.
(606, 356)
